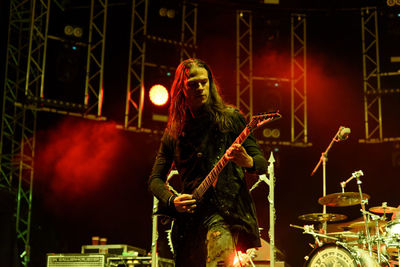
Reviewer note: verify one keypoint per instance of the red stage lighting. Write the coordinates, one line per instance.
(158, 95)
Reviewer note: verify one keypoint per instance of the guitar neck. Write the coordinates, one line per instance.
(213, 175)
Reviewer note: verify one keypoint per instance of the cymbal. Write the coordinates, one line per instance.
(342, 199)
(361, 224)
(322, 217)
(382, 209)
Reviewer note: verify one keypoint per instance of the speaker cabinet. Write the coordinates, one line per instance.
(76, 260)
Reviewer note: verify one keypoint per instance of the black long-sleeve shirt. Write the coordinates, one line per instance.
(194, 153)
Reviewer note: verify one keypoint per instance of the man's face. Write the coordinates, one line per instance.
(197, 88)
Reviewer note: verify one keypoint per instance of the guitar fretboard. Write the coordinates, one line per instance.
(213, 175)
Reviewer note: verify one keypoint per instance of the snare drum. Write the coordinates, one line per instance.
(339, 256)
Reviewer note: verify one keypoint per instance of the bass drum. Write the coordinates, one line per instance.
(338, 256)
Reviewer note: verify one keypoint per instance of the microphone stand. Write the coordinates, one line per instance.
(323, 159)
(271, 199)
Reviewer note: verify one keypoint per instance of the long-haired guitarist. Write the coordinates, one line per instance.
(213, 217)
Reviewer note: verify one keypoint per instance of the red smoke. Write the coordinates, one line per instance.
(271, 63)
(76, 157)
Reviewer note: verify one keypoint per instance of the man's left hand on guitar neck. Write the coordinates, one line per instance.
(238, 155)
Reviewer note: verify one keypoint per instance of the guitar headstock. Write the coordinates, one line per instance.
(263, 118)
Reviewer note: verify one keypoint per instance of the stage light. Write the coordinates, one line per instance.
(158, 95)
(68, 30)
(243, 259)
(237, 261)
(75, 31)
(171, 13)
(78, 32)
(162, 12)
(390, 2)
(166, 12)
(274, 133)
(267, 132)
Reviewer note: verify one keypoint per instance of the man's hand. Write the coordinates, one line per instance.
(185, 203)
(237, 154)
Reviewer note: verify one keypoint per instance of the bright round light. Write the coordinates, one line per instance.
(158, 95)
(162, 12)
(78, 32)
(171, 13)
(68, 30)
(267, 132)
(276, 133)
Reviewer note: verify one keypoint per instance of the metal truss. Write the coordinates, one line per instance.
(371, 74)
(299, 79)
(139, 38)
(95, 59)
(137, 52)
(245, 78)
(24, 76)
(372, 77)
(244, 62)
(188, 30)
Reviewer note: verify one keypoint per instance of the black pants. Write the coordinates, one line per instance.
(210, 243)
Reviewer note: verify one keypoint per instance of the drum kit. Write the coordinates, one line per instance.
(369, 241)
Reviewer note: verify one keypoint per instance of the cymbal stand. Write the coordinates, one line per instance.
(378, 239)
(363, 211)
(309, 229)
(376, 218)
(323, 159)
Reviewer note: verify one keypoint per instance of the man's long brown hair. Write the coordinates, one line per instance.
(215, 106)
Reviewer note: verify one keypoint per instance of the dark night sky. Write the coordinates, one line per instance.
(91, 178)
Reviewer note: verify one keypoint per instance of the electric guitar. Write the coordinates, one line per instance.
(212, 177)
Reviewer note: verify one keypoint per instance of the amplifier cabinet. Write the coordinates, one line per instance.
(116, 249)
(129, 261)
(76, 260)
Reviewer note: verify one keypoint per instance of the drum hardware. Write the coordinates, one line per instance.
(345, 199)
(355, 174)
(322, 217)
(362, 200)
(358, 226)
(392, 239)
(345, 236)
(373, 220)
(342, 199)
(309, 229)
(384, 209)
(353, 243)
